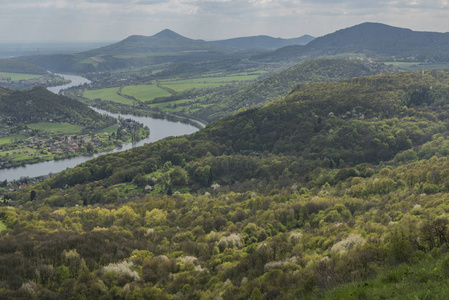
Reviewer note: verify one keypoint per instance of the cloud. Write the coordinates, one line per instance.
(209, 19)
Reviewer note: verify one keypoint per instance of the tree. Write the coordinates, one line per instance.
(32, 195)
(178, 176)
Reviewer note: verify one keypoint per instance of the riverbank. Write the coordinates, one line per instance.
(160, 129)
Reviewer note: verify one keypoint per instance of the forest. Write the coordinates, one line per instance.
(335, 191)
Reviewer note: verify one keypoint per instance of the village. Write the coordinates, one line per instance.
(37, 146)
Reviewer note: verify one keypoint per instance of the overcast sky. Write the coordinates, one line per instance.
(113, 20)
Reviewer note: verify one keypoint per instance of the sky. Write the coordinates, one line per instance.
(114, 20)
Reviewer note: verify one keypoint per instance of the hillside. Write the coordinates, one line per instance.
(40, 105)
(134, 51)
(263, 42)
(337, 190)
(14, 66)
(370, 40)
(266, 90)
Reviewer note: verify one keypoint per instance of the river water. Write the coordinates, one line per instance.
(159, 129)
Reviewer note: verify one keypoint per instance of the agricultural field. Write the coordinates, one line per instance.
(89, 61)
(418, 66)
(145, 93)
(11, 138)
(145, 55)
(18, 76)
(60, 128)
(107, 94)
(207, 82)
(169, 105)
(109, 130)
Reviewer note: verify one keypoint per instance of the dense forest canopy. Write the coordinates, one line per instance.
(336, 190)
(38, 104)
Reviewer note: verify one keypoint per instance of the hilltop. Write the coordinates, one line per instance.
(370, 40)
(166, 41)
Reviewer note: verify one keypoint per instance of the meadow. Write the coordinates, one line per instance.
(418, 66)
(61, 128)
(107, 94)
(207, 82)
(145, 93)
(17, 76)
(109, 130)
(11, 138)
(19, 154)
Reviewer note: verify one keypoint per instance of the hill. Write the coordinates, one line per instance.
(134, 51)
(165, 41)
(266, 90)
(263, 42)
(370, 40)
(40, 105)
(14, 66)
(337, 190)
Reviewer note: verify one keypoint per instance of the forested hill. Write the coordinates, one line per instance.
(40, 105)
(165, 41)
(164, 47)
(372, 40)
(275, 86)
(263, 42)
(336, 191)
(15, 66)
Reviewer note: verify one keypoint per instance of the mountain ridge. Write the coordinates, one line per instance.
(370, 39)
(263, 42)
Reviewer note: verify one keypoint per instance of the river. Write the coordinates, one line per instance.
(159, 129)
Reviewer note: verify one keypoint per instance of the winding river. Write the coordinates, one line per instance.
(159, 129)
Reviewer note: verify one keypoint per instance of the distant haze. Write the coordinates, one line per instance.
(113, 20)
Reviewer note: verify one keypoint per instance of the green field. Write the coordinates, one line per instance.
(206, 82)
(19, 154)
(145, 92)
(418, 66)
(63, 128)
(89, 61)
(144, 55)
(2, 226)
(165, 104)
(18, 76)
(109, 130)
(107, 94)
(11, 138)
